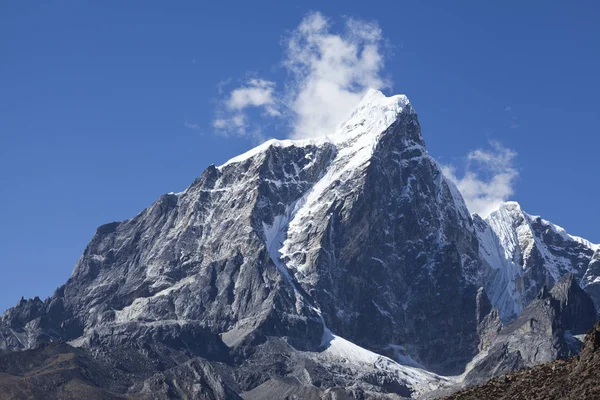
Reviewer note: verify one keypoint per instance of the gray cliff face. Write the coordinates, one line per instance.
(198, 256)
(326, 268)
(546, 330)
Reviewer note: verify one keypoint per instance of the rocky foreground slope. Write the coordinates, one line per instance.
(341, 267)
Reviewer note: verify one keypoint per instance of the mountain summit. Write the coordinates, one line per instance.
(346, 265)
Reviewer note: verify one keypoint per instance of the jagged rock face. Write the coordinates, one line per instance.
(576, 309)
(488, 319)
(526, 253)
(195, 379)
(572, 379)
(545, 330)
(389, 244)
(591, 279)
(381, 237)
(200, 255)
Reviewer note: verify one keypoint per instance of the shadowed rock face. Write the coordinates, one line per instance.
(576, 309)
(237, 283)
(394, 254)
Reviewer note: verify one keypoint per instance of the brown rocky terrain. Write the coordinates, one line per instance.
(575, 378)
(57, 371)
(54, 371)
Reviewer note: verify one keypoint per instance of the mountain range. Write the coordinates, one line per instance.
(346, 266)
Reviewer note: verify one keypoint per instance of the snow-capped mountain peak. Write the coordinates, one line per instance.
(373, 114)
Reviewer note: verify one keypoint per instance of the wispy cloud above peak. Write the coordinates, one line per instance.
(488, 179)
(328, 73)
(231, 116)
(331, 72)
(256, 93)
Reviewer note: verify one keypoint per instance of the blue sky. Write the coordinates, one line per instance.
(104, 106)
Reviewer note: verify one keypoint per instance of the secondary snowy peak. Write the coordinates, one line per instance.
(526, 253)
(516, 227)
(512, 210)
(266, 145)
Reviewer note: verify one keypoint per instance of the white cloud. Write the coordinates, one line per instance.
(489, 178)
(330, 72)
(257, 93)
(327, 75)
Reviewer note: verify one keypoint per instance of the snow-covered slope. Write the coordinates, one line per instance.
(338, 350)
